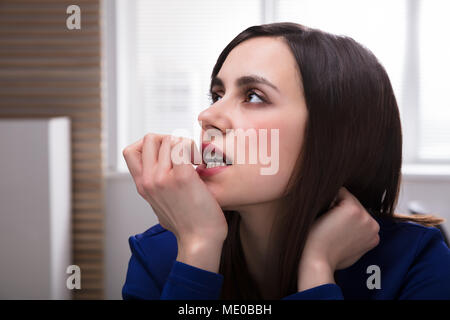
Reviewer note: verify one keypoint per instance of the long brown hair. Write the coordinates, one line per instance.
(352, 138)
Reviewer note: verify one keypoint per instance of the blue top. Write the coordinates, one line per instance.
(413, 261)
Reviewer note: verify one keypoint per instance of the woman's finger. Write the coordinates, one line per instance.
(343, 195)
(150, 150)
(196, 154)
(180, 154)
(186, 152)
(133, 157)
(164, 161)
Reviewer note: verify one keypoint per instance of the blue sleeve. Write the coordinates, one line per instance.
(328, 291)
(184, 281)
(187, 282)
(429, 276)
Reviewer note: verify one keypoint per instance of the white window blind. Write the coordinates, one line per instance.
(378, 25)
(167, 49)
(410, 39)
(434, 81)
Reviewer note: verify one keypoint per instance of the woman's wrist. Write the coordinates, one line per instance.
(201, 253)
(313, 273)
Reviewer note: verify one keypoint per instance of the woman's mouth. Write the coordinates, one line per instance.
(213, 164)
(214, 160)
(205, 171)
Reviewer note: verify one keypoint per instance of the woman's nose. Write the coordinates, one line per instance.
(214, 118)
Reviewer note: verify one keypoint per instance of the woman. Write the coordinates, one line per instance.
(321, 227)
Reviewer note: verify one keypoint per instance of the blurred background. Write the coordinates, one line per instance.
(72, 98)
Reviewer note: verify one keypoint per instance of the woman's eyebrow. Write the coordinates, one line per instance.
(243, 81)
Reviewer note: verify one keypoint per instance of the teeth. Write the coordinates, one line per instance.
(213, 158)
(215, 164)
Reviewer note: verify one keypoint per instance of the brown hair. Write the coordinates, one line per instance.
(352, 138)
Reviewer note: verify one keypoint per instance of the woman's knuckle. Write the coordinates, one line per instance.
(183, 176)
(376, 240)
(375, 227)
(167, 139)
(126, 151)
(353, 209)
(149, 137)
(160, 181)
(140, 190)
(367, 220)
(148, 184)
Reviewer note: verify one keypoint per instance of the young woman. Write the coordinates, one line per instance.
(323, 226)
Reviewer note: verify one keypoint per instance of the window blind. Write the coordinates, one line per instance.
(171, 49)
(409, 39)
(434, 68)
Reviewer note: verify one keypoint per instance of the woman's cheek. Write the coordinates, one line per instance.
(246, 183)
(258, 187)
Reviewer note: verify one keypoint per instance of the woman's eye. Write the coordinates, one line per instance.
(214, 97)
(252, 93)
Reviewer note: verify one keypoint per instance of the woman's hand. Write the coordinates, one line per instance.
(336, 241)
(183, 204)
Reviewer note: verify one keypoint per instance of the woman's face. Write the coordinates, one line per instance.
(251, 106)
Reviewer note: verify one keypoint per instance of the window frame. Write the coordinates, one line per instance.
(116, 73)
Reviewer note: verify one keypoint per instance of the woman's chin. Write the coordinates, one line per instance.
(222, 197)
(216, 190)
(223, 203)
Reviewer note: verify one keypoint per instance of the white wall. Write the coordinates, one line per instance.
(128, 214)
(432, 191)
(35, 208)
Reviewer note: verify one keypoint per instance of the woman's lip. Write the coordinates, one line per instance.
(203, 171)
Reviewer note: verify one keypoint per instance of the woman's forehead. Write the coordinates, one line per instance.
(268, 57)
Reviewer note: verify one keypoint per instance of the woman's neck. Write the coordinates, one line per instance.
(254, 230)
